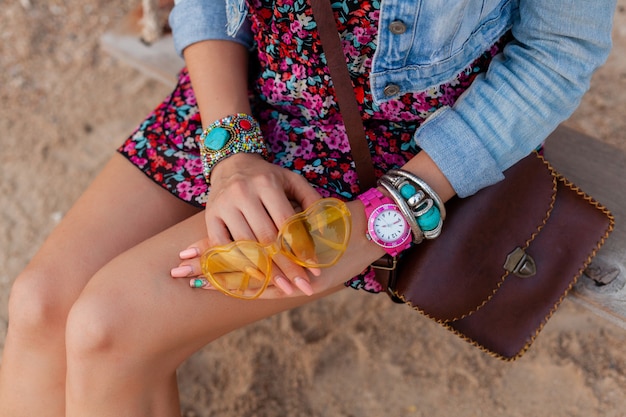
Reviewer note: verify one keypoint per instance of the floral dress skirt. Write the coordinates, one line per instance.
(293, 99)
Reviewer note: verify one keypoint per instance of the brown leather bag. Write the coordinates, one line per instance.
(507, 255)
(507, 258)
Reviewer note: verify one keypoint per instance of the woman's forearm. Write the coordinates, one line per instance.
(219, 72)
(424, 167)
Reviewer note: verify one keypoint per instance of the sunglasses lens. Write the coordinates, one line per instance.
(318, 236)
(239, 269)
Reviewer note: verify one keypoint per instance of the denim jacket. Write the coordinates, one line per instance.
(534, 85)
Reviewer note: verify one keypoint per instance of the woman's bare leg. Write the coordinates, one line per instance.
(120, 209)
(133, 325)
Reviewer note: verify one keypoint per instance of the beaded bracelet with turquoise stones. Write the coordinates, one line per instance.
(226, 137)
(425, 204)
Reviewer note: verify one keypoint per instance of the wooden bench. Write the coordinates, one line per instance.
(597, 168)
(151, 53)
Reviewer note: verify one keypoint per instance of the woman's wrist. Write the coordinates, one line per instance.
(229, 166)
(401, 212)
(230, 135)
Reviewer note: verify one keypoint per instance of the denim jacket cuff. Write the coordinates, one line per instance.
(458, 152)
(191, 22)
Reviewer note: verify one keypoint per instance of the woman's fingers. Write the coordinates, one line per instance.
(283, 284)
(195, 250)
(263, 193)
(250, 204)
(288, 274)
(190, 260)
(289, 278)
(298, 189)
(250, 200)
(189, 253)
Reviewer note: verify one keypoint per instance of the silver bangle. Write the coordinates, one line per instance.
(428, 203)
(431, 234)
(424, 186)
(420, 203)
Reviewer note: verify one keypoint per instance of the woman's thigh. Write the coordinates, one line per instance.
(121, 208)
(133, 305)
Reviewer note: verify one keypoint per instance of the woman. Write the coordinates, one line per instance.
(454, 92)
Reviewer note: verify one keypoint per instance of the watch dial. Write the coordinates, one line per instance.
(389, 225)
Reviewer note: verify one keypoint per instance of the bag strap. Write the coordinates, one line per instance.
(344, 92)
(385, 267)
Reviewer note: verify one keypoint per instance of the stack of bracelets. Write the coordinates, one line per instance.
(228, 136)
(418, 202)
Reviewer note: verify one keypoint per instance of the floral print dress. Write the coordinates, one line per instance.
(293, 100)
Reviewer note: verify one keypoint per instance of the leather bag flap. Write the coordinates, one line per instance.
(479, 234)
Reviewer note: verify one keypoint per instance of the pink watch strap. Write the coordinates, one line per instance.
(373, 199)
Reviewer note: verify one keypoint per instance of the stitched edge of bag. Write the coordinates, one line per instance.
(556, 176)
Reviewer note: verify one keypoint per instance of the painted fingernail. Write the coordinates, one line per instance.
(181, 271)
(189, 253)
(284, 285)
(199, 283)
(303, 285)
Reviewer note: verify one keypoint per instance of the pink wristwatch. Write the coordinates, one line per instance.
(386, 226)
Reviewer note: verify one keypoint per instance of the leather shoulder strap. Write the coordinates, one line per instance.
(344, 91)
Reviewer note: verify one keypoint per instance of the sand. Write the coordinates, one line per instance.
(66, 105)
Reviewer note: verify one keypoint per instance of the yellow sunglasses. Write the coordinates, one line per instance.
(314, 238)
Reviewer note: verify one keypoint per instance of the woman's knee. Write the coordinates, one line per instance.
(100, 323)
(91, 328)
(38, 304)
(105, 345)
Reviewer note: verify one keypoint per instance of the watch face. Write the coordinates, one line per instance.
(388, 226)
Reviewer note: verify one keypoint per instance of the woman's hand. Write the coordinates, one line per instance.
(360, 253)
(249, 200)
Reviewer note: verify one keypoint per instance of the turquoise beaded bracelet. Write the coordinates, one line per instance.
(228, 136)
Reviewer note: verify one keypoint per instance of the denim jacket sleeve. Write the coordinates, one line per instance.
(197, 20)
(535, 84)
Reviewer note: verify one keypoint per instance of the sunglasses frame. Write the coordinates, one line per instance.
(278, 247)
